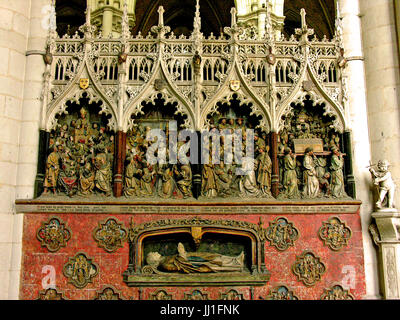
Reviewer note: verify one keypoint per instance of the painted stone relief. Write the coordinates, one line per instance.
(308, 268)
(53, 234)
(110, 235)
(80, 270)
(281, 233)
(224, 175)
(195, 262)
(232, 295)
(108, 293)
(337, 293)
(310, 161)
(196, 295)
(281, 293)
(335, 233)
(51, 294)
(81, 155)
(161, 295)
(151, 174)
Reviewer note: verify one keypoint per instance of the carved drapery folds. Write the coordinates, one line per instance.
(264, 84)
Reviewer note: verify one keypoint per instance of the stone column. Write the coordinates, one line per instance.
(388, 240)
(356, 110)
(30, 120)
(14, 30)
(383, 82)
(275, 165)
(119, 156)
(107, 21)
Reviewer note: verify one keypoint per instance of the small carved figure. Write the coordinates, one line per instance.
(264, 171)
(311, 183)
(184, 180)
(290, 181)
(86, 178)
(103, 177)
(383, 179)
(337, 179)
(248, 183)
(209, 181)
(52, 171)
(195, 262)
(132, 176)
(167, 181)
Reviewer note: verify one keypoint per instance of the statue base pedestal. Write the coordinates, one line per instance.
(388, 225)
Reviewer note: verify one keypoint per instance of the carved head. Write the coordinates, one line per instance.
(153, 259)
(383, 165)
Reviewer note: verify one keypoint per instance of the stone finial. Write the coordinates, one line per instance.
(197, 18)
(161, 16)
(125, 22)
(304, 31)
(303, 19)
(233, 17)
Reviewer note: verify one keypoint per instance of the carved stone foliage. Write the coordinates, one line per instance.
(196, 295)
(53, 234)
(281, 293)
(51, 294)
(232, 295)
(281, 233)
(335, 233)
(81, 154)
(110, 234)
(308, 268)
(337, 293)
(160, 295)
(80, 270)
(108, 293)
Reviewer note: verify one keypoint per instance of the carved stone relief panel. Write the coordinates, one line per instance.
(110, 234)
(51, 294)
(149, 170)
(108, 293)
(335, 234)
(281, 233)
(196, 295)
(232, 295)
(81, 155)
(308, 268)
(237, 162)
(80, 270)
(53, 234)
(311, 161)
(281, 293)
(337, 293)
(160, 295)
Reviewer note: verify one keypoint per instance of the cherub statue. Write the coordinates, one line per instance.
(383, 179)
